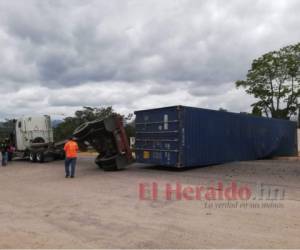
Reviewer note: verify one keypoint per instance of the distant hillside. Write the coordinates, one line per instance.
(55, 123)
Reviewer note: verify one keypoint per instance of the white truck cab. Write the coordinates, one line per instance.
(30, 130)
(33, 139)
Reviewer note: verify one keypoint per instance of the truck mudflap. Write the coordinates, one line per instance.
(109, 139)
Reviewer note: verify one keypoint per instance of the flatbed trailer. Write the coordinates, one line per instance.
(108, 138)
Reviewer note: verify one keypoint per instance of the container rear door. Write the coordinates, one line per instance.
(157, 136)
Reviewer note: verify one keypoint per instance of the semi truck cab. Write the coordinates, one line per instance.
(30, 130)
(33, 139)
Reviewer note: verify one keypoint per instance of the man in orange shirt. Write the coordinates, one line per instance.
(71, 149)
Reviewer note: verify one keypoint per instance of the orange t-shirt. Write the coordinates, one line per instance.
(71, 149)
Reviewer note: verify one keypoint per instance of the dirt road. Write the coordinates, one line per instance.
(41, 209)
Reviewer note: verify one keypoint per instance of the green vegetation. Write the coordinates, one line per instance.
(6, 128)
(274, 80)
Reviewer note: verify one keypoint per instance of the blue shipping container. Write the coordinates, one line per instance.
(182, 136)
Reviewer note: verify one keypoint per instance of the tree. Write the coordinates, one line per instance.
(88, 114)
(130, 129)
(256, 110)
(274, 80)
(65, 129)
(6, 129)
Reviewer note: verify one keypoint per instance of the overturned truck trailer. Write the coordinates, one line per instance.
(182, 136)
(109, 139)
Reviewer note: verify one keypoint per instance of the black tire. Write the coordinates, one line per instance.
(40, 157)
(107, 164)
(32, 156)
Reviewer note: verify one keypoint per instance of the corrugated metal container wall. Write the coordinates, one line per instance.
(182, 136)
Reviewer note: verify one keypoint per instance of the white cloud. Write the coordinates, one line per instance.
(57, 56)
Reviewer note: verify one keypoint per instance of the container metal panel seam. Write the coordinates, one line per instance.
(156, 132)
(180, 113)
(157, 150)
(159, 122)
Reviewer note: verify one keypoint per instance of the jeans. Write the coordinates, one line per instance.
(4, 158)
(70, 162)
(10, 156)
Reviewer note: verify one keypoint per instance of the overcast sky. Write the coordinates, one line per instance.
(56, 56)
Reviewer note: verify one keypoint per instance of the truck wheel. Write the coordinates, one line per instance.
(32, 157)
(107, 164)
(40, 157)
(111, 167)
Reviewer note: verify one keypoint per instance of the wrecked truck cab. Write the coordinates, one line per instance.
(108, 138)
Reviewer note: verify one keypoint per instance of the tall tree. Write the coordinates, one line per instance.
(274, 80)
